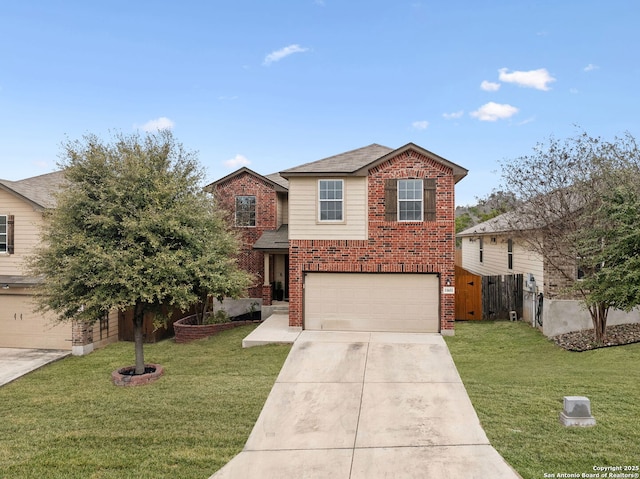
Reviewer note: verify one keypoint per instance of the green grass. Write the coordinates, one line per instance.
(67, 420)
(516, 380)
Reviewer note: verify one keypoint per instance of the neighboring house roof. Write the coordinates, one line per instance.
(500, 224)
(274, 239)
(37, 190)
(275, 180)
(358, 162)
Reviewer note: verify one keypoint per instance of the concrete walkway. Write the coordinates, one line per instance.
(367, 406)
(16, 362)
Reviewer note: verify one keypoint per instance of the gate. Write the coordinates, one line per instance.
(500, 295)
(468, 295)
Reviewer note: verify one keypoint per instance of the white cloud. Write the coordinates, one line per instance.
(319, 3)
(237, 161)
(573, 91)
(591, 67)
(489, 86)
(454, 115)
(420, 125)
(282, 53)
(162, 123)
(494, 111)
(538, 79)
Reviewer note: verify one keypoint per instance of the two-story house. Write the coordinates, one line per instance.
(360, 241)
(22, 204)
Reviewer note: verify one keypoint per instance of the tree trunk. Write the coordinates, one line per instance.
(138, 322)
(599, 312)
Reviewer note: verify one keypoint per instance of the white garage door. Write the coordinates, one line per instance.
(20, 327)
(372, 302)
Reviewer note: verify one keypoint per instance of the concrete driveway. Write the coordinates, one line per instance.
(368, 406)
(16, 362)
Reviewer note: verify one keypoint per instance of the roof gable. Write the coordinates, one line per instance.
(39, 191)
(358, 162)
(275, 180)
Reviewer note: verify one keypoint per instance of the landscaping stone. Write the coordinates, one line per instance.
(584, 340)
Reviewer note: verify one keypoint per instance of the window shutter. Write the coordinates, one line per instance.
(391, 200)
(10, 222)
(429, 199)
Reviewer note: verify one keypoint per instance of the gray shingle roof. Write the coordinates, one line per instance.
(274, 239)
(279, 180)
(347, 162)
(39, 190)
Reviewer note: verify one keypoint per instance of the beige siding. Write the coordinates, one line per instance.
(303, 211)
(495, 258)
(26, 232)
(283, 209)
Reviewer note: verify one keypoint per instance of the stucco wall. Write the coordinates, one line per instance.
(563, 316)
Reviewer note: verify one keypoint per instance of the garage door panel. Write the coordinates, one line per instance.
(372, 302)
(21, 327)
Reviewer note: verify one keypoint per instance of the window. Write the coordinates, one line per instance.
(410, 200)
(481, 246)
(330, 200)
(245, 210)
(3, 234)
(6, 234)
(510, 253)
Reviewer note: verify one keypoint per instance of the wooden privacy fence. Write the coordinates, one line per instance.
(487, 297)
(468, 295)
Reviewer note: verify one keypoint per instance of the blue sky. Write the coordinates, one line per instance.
(273, 84)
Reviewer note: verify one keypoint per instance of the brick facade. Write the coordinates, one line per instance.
(247, 184)
(412, 247)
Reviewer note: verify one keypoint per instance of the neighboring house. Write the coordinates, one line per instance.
(491, 248)
(362, 241)
(22, 204)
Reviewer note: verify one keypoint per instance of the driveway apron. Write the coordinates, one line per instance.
(367, 406)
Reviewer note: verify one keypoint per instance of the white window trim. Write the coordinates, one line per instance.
(5, 234)
(421, 200)
(342, 201)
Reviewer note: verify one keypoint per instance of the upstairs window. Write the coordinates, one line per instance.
(330, 200)
(6, 234)
(510, 253)
(410, 200)
(245, 210)
(481, 249)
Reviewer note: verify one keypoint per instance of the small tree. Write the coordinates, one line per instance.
(562, 190)
(132, 229)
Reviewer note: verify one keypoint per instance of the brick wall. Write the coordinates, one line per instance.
(420, 247)
(246, 184)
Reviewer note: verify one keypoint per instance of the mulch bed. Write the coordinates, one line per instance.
(583, 340)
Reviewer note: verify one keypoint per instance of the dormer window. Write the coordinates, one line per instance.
(245, 211)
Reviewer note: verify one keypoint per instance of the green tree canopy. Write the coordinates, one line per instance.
(133, 229)
(578, 209)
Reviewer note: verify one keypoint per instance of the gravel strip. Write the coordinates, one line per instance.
(584, 341)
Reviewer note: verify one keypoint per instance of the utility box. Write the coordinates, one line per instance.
(577, 412)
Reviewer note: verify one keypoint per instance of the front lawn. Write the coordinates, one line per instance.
(516, 380)
(67, 420)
